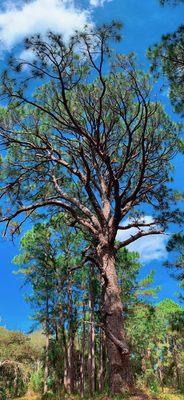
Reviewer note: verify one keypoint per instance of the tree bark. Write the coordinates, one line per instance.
(82, 366)
(121, 378)
(102, 362)
(174, 353)
(46, 369)
(70, 378)
(92, 332)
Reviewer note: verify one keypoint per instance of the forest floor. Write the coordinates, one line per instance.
(142, 395)
(160, 396)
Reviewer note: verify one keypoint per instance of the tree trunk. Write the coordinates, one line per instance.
(102, 362)
(92, 332)
(46, 369)
(82, 366)
(174, 353)
(121, 378)
(65, 379)
(60, 331)
(160, 373)
(70, 378)
(70, 365)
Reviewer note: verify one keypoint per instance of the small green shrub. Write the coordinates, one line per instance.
(48, 396)
(36, 381)
(2, 394)
(154, 387)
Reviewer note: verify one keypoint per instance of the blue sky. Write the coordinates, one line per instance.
(144, 23)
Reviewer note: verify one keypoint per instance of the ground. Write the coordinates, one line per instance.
(143, 395)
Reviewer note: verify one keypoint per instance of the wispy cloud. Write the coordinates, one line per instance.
(98, 3)
(152, 247)
(18, 20)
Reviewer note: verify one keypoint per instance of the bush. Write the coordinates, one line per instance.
(48, 396)
(13, 380)
(151, 381)
(36, 381)
(2, 394)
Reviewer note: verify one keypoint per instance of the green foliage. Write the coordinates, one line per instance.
(48, 396)
(175, 247)
(17, 359)
(171, 2)
(167, 58)
(156, 339)
(36, 381)
(150, 379)
(37, 341)
(3, 393)
(60, 133)
(16, 346)
(128, 267)
(132, 289)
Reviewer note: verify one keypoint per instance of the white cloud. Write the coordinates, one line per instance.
(98, 3)
(23, 19)
(151, 247)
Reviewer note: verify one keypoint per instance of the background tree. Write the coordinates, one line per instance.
(48, 252)
(132, 288)
(19, 356)
(89, 141)
(167, 58)
(175, 247)
(37, 262)
(171, 2)
(155, 334)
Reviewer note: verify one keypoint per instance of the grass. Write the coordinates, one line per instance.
(171, 396)
(167, 394)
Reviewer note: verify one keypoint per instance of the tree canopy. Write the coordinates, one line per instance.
(167, 58)
(175, 247)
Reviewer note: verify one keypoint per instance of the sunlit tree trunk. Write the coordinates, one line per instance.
(102, 362)
(60, 328)
(174, 353)
(46, 368)
(160, 373)
(121, 378)
(70, 345)
(92, 332)
(83, 349)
